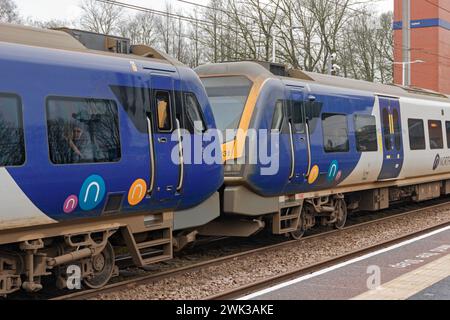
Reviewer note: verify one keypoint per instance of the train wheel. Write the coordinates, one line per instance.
(300, 232)
(103, 265)
(341, 213)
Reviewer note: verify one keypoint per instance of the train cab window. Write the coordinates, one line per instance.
(193, 112)
(416, 134)
(83, 130)
(435, 132)
(366, 133)
(163, 110)
(335, 132)
(12, 145)
(447, 129)
(278, 116)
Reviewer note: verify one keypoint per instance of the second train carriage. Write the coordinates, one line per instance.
(344, 145)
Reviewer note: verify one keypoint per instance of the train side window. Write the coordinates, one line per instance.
(387, 130)
(193, 112)
(335, 132)
(447, 129)
(397, 131)
(435, 131)
(416, 134)
(278, 116)
(366, 133)
(163, 109)
(298, 118)
(83, 130)
(12, 144)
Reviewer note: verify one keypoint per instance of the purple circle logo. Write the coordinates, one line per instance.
(338, 175)
(70, 204)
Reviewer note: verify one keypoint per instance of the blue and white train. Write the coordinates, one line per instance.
(344, 144)
(87, 148)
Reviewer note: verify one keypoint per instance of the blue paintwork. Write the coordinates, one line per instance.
(424, 23)
(335, 100)
(35, 73)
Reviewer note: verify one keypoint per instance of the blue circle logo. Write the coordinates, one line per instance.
(332, 171)
(92, 192)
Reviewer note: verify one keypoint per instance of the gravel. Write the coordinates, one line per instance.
(227, 275)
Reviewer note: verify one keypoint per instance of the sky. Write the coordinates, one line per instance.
(69, 9)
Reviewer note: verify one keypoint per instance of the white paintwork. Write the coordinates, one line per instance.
(16, 209)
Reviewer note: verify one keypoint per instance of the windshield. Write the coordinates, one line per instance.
(228, 96)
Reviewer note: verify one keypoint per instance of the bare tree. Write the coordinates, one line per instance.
(140, 29)
(8, 11)
(101, 17)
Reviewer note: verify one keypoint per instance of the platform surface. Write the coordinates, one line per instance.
(415, 269)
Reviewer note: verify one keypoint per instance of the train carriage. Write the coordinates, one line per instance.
(343, 145)
(86, 156)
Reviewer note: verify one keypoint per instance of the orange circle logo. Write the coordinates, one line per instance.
(313, 175)
(137, 192)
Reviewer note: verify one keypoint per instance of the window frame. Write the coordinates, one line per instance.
(199, 110)
(447, 133)
(323, 133)
(429, 135)
(116, 104)
(171, 109)
(22, 122)
(355, 117)
(423, 132)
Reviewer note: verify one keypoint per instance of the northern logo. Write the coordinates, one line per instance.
(441, 162)
(436, 162)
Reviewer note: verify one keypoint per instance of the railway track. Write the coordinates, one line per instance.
(237, 292)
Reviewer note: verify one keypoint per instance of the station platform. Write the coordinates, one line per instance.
(417, 269)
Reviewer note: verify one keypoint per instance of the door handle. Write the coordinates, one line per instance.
(162, 140)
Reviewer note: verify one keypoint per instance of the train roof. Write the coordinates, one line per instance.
(56, 39)
(259, 71)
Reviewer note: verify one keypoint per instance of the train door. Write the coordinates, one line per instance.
(393, 153)
(299, 137)
(166, 156)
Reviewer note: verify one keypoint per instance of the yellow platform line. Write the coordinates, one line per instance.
(410, 283)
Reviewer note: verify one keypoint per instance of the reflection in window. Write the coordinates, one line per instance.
(435, 131)
(366, 133)
(278, 116)
(163, 110)
(12, 146)
(397, 131)
(416, 134)
(83, 130)
(228, 96)
(297, 114)
(193, 112)
(335, 132)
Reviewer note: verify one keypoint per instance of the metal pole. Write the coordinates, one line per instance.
(403, 73)
(406, 40)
